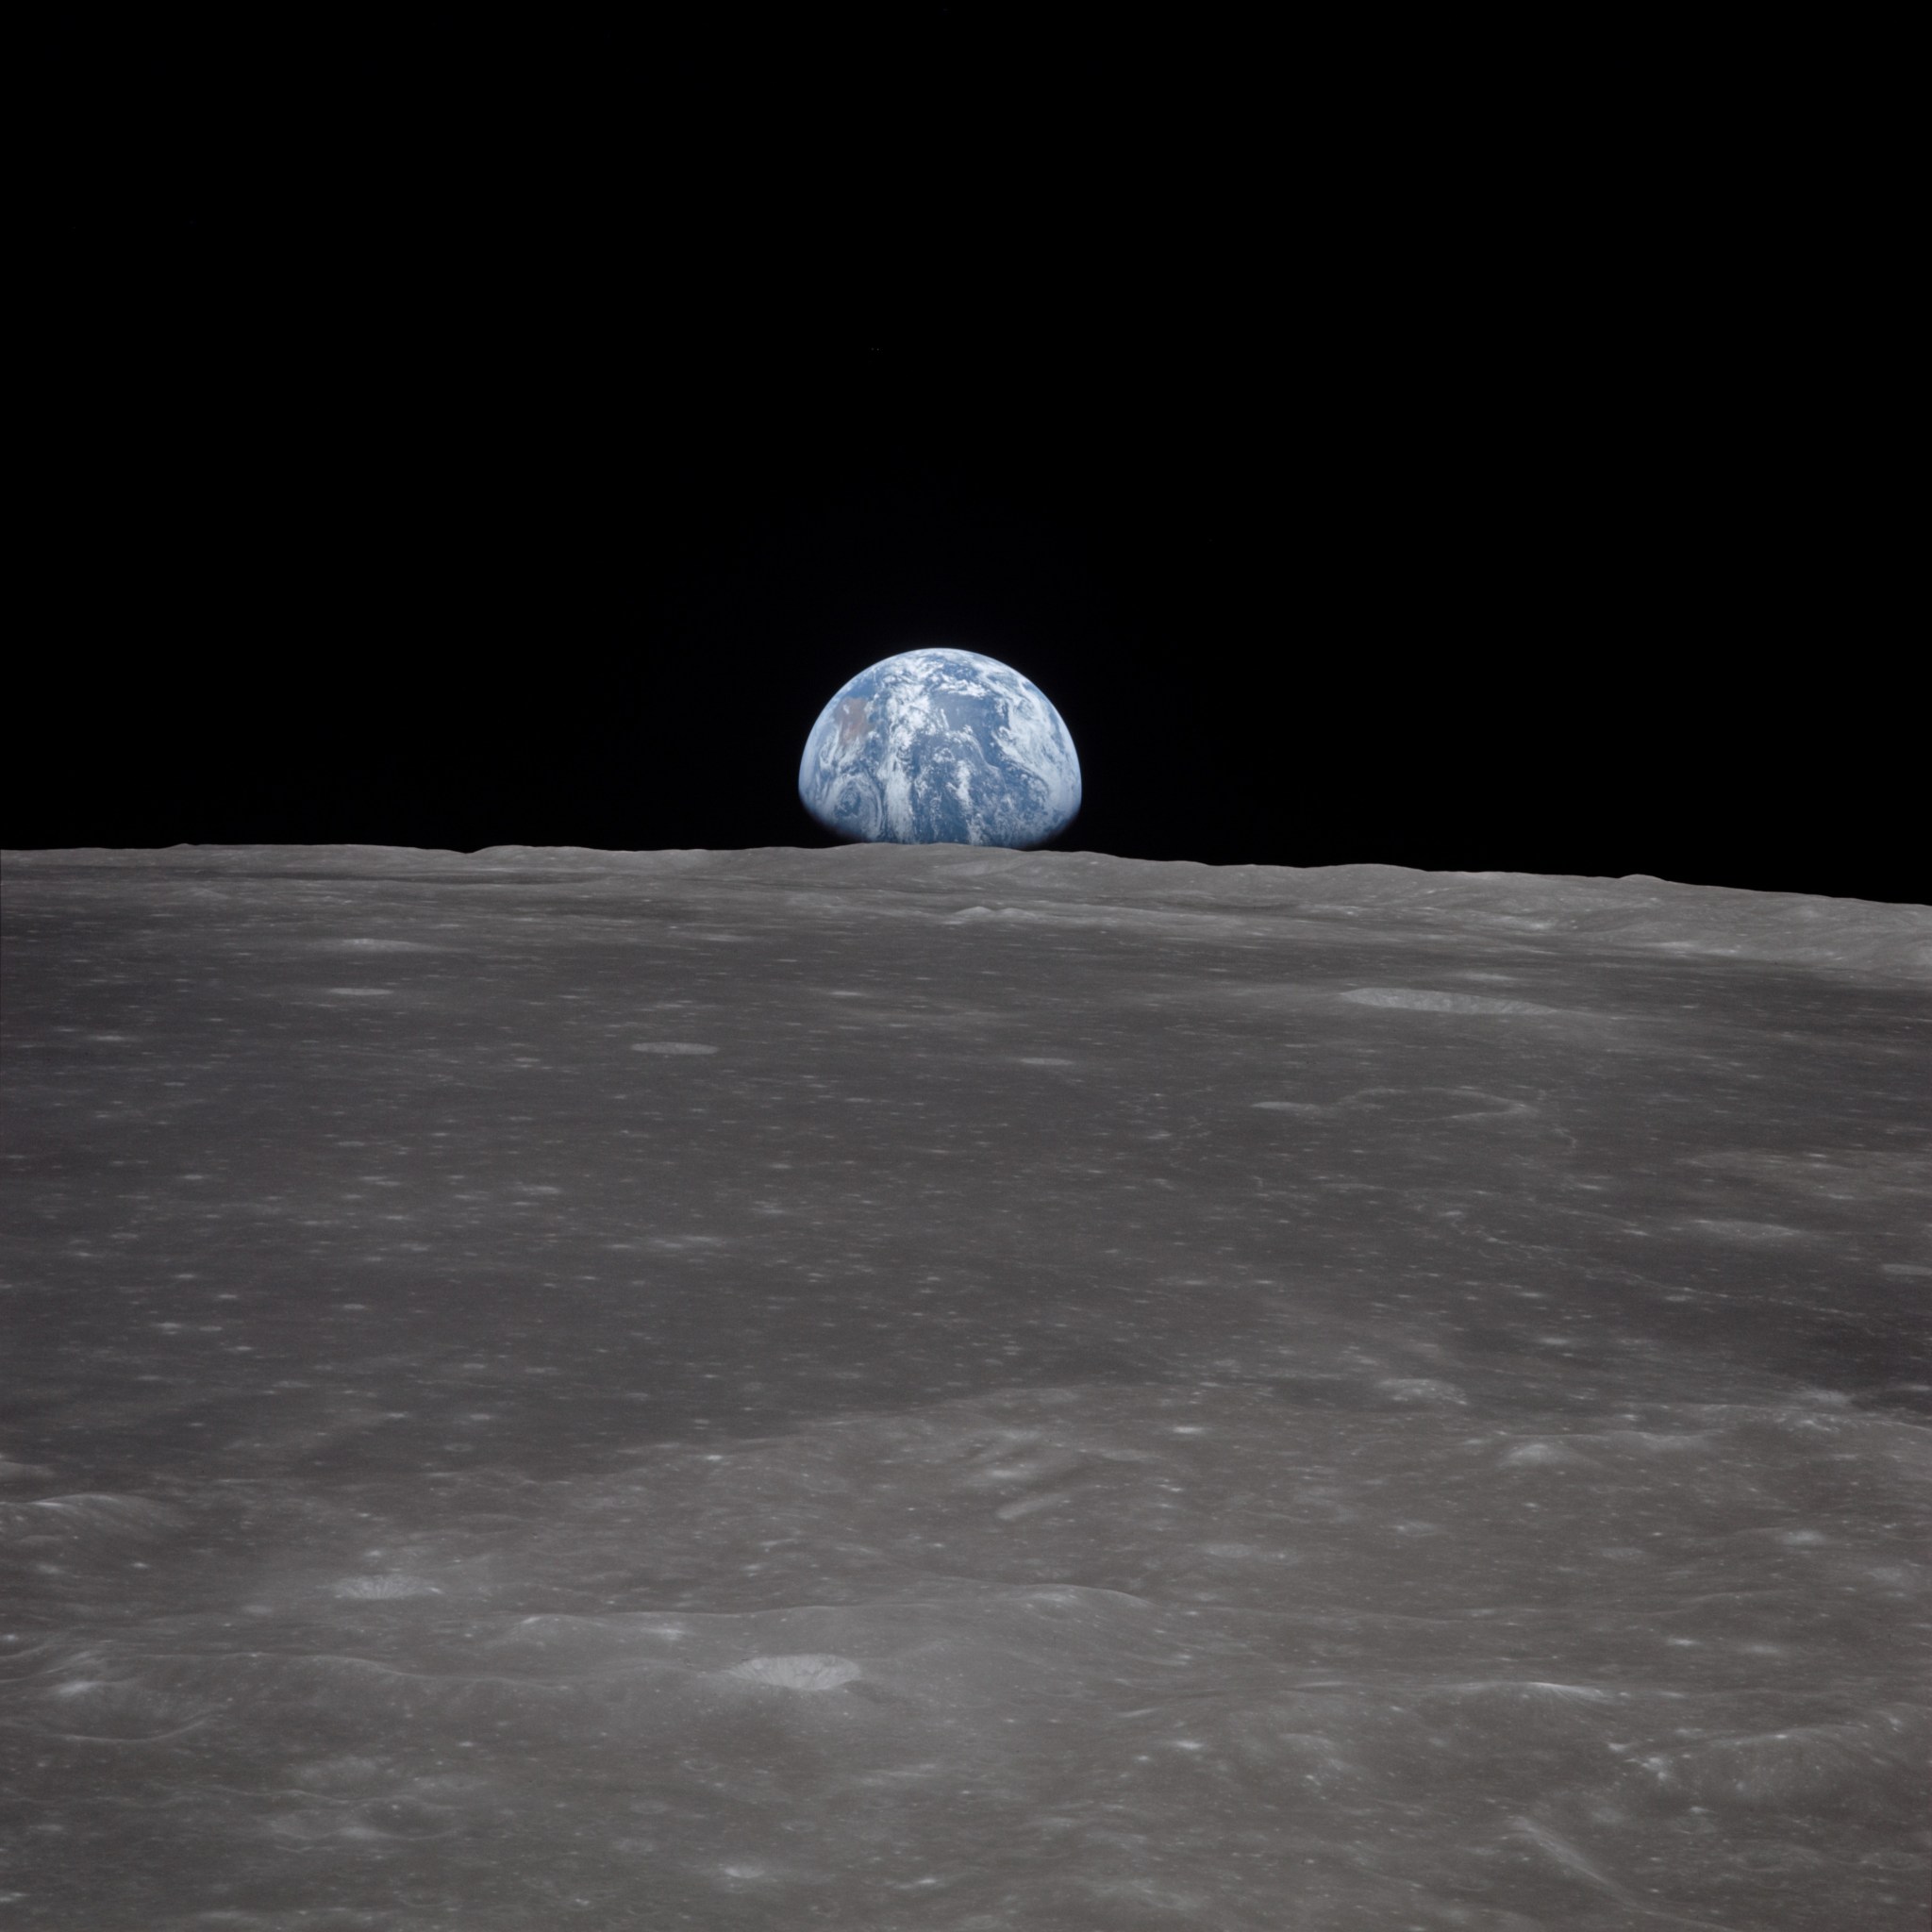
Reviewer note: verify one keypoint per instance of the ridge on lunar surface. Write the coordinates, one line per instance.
(948, 1387)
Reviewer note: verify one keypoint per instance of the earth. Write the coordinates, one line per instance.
(939, 747)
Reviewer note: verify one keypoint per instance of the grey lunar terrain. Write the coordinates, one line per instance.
(919, 1387)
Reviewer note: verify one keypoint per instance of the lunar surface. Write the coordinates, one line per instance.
(915, 1386)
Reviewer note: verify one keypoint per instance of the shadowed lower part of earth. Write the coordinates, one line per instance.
(929, 1388)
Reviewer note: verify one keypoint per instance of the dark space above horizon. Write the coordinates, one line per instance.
(415, 496)
(441, 638)
(448, 656)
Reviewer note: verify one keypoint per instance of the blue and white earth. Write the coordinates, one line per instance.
(941, 747)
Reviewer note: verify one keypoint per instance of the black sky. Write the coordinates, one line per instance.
(500, 434)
